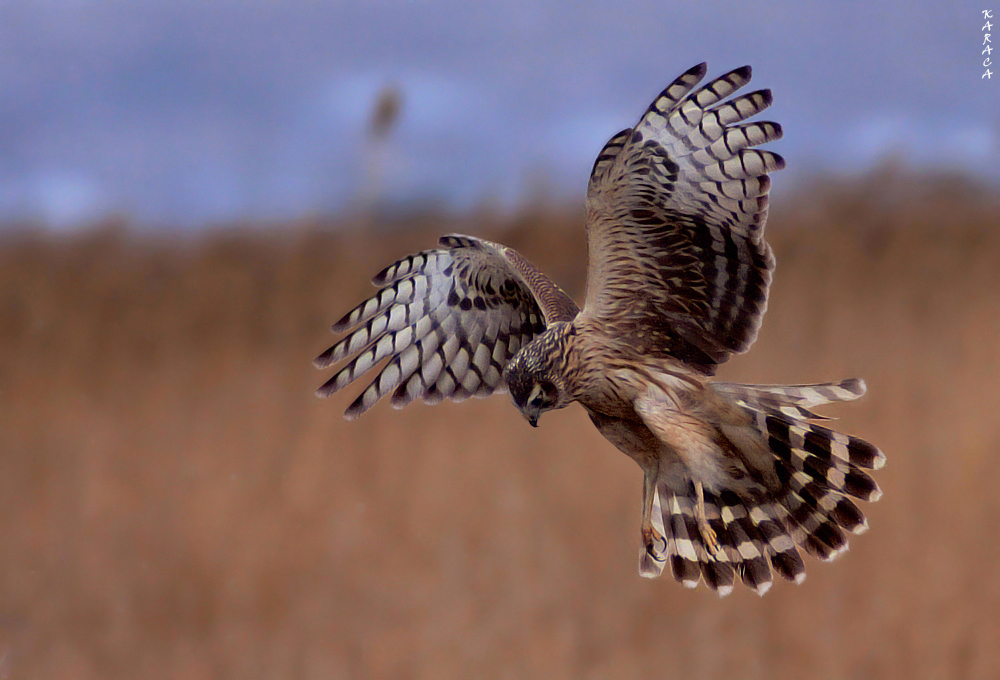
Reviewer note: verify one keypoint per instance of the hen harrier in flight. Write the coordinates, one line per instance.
(737, 477)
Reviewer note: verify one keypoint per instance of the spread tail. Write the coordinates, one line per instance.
(797, 496)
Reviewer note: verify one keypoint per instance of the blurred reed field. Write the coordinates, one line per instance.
(177, 503)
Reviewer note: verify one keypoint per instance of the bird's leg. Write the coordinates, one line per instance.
(707, 533)
(650, 535)
(654, 542)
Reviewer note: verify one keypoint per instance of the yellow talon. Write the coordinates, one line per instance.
(707, 532)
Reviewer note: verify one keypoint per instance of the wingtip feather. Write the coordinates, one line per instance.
(744, 72)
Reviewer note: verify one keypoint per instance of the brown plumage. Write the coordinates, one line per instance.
(738, 478)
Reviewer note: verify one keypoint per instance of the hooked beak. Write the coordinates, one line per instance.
(532, 418)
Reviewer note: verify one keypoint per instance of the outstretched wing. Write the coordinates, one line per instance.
(675, 218)
(448, 320)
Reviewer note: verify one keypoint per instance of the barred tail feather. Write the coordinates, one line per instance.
(769, 519)
(818, 470)
(792, 400)
(751, 540)
(687, 549)
(759, 530)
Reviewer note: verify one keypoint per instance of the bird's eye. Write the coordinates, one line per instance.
(544, 394)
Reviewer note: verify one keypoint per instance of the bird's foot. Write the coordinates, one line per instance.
(707, 532)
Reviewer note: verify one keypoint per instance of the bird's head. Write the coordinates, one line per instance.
(534, 380)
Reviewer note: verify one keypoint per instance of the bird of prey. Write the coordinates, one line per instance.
(737, 478)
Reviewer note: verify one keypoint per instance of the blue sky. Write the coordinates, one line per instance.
(182, 113)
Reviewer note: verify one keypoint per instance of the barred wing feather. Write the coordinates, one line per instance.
(675, 215)
(448, 320)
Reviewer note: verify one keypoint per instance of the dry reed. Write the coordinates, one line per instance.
(176, 503)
